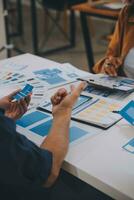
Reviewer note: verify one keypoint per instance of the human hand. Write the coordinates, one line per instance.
(109, 67)
(5, 102)
(63, 101)
(16, 109)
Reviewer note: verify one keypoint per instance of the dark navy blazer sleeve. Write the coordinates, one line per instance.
(21, 160)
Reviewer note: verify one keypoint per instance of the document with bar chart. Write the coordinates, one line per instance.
(94, 110)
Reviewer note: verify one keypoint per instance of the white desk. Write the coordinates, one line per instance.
(99, 160)
(102, 163)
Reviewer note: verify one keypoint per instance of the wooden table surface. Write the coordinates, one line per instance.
(87, 8)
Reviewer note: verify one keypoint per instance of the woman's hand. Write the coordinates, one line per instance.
(111, 66)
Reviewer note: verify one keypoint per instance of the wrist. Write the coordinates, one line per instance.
(62, 121)
(62, 113)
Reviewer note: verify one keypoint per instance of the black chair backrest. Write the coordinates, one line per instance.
(61, 4)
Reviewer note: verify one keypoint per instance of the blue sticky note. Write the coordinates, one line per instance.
(129, 146)
(42, 129)
(76, 133)
(128, 112)
(31, 118)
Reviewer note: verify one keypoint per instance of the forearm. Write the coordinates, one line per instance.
(57, 142)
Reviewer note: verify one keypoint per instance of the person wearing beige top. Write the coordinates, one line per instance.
(119, 59)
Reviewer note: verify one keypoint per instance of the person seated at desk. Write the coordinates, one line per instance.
(24, 167)
(119, 59)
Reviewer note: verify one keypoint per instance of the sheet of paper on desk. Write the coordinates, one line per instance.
(60, 75)
(92, 109)
(13, 72)
(8, 77)
(98, 112)
(44, 128)
(38, 93)
(38, 124)
(11, 65)
(12, 79)
(73, 71)
(6, 90)
(129, 146)
(127, 112)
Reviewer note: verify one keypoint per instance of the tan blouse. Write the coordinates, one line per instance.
(122, 41)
